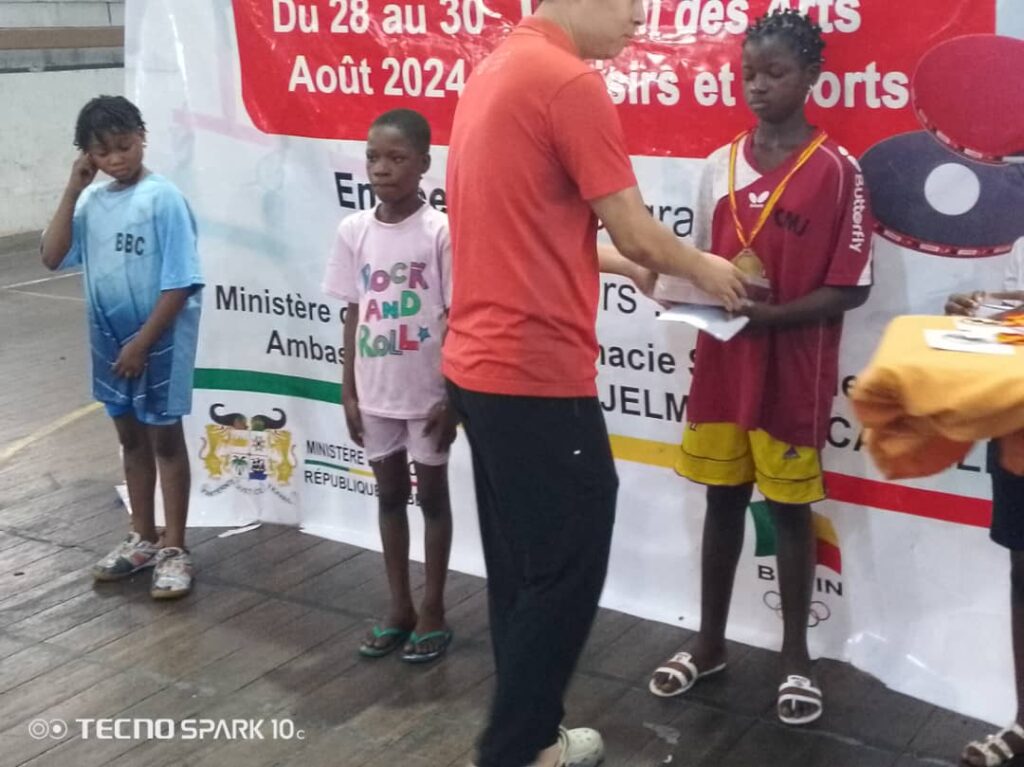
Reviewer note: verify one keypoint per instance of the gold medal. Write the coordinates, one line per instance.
(746, 260)
(748, 263)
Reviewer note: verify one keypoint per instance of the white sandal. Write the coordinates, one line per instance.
(994, 749)
(683, 670)
(799, 689)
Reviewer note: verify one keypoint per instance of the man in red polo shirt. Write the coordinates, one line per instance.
(537, 157)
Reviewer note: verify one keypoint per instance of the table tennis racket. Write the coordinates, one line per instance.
(969, 92)
(929, 199)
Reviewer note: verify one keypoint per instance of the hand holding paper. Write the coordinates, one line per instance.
(719, 278)
(679, 290)
(713, 320)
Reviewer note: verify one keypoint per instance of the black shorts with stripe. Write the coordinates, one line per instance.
(1007, 503)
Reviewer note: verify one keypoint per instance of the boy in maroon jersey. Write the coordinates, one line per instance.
(789, 206)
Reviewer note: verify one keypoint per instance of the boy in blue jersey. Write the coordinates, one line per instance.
(135, 238)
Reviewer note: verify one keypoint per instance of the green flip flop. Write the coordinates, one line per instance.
(415, 640)
(396, 638)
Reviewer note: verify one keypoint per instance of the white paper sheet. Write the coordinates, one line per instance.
(965, 341)
(713, 320)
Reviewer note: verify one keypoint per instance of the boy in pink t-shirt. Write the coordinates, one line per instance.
(392, 265)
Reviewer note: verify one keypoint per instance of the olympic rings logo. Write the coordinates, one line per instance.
(818, 614)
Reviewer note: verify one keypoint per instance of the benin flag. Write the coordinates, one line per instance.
(829, 554)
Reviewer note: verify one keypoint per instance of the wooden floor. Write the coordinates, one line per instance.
(271, 630)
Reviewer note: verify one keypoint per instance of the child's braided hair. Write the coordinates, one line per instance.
(796, 29)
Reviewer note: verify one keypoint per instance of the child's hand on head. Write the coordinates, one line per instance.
(82, 172)
(964, 304)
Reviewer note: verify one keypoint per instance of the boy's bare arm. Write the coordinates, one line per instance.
(349, 394)
(57, 237)
(966, 304)
(132, 359)
(821, 304)
(348, 375)
(610, 261)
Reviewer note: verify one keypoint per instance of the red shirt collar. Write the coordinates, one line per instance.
(555, 34)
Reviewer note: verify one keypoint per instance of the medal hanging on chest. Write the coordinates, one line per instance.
(747, 260)
(748, 263)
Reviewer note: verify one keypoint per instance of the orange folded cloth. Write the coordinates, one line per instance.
(924, 408)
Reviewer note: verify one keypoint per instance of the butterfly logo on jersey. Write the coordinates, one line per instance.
(853, 160)
(759, 200)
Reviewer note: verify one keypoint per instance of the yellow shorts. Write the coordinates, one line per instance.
(725, 454)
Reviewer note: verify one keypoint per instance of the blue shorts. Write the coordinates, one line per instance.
(1007, 503)
(150, 419)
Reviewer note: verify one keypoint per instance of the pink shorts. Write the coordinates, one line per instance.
(386, 436)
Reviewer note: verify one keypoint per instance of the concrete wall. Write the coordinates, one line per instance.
(41, 92)
(36, 134)
(60, 13)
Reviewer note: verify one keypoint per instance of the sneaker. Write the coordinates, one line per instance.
(581, 747)
(131, 555)
(172, 576)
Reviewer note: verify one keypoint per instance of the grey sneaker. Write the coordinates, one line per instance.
(172, 577)
(581, 747)
(128, 557)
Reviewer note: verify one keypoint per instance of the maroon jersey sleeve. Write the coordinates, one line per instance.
(850, 262)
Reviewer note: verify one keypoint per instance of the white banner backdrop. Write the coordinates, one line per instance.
(900, 592)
